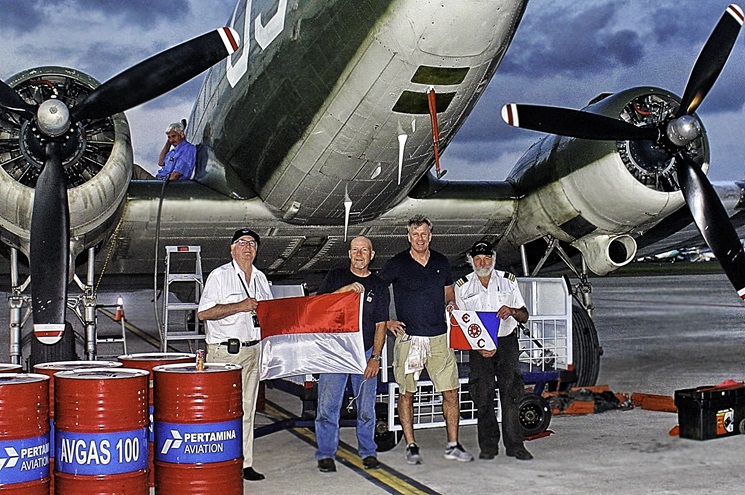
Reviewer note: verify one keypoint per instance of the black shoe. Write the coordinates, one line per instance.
(327, 465)
(371, 462)
(250, 475)
(520, 453)
(487, 456)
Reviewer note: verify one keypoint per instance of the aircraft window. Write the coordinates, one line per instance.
(416, 103)
(439, 75)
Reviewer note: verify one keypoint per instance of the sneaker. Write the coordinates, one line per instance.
(412, 454)
(327, 465)
(487, 456)
(520, 453)
(457, 453)
(371, 462)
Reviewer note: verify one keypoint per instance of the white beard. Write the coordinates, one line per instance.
(484, 271)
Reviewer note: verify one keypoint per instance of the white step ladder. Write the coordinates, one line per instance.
(170, 308)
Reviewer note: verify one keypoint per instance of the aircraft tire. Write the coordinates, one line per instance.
(586, 348)
(384, 438)
(534, 414)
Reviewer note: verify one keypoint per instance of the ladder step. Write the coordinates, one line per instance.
(185, 336)
(183, 249)
(184, 277)
(112, 340)
(182, 306)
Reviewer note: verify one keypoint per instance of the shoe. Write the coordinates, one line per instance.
(457, 453)
(371, 462)
(520, 453)
(412, 454)
(327, 465)
(250, 475)
(487, 456)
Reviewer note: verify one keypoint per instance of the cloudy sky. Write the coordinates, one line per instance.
(565, 53)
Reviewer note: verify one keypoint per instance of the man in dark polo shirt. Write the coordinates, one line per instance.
(357, 278)
(422, 288)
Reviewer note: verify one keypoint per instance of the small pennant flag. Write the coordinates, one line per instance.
(474, 330)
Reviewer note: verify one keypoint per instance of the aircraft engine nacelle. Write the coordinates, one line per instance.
(97, 161)
(588, 193)
(605, 253)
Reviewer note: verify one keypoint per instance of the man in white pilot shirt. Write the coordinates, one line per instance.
(228, 307)
(487, 289)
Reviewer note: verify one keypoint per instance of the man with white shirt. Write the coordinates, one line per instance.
(487, 289)
(228, 308)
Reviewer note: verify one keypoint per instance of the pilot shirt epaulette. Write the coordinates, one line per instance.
(509, 276)
(461, 281)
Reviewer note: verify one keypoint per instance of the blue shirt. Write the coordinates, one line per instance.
(419, 291)
(181, 159)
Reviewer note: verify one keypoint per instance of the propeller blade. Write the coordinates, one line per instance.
(711, 60)
(157, 75)
(10, 100)
(50, 243)
(574, 123)
(712, 221)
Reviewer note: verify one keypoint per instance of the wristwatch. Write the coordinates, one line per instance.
(377, 357)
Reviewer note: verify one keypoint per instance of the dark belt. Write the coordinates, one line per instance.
(243, 344)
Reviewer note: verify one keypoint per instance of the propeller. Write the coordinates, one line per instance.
(672, 135)
(49, 254)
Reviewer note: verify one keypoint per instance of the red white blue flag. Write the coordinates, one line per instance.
(473, 330)
(314, 334)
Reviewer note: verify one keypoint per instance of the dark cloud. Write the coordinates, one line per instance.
(17, 16)
(145, 13)
(572, 42)
(672, 24)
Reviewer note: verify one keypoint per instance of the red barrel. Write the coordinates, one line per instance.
(198, 424)
(101, 435)
(148, 361)
(10, 368)
(24, 434)
(50, 369)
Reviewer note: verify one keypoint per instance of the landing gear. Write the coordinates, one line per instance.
(83, 306)
(586, 350)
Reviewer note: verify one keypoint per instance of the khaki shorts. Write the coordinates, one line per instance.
(441, 365)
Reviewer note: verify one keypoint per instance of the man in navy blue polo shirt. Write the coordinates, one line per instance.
(422, 288)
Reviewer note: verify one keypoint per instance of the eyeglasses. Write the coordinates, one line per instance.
(244, 243)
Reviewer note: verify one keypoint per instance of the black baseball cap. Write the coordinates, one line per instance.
(482, 247)
(246, 231)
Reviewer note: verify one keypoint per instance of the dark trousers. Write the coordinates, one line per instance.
(481, 386)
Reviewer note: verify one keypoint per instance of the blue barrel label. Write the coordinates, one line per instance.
(100, 453)
(24, 459)
(200, 443)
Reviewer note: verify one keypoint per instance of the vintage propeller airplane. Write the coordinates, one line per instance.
(324, 123)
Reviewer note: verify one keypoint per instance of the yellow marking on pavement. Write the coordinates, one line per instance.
(385, 475)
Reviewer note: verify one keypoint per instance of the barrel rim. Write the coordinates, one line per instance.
(36, 377)
(78, 373)
(217, 367)
(66, 365)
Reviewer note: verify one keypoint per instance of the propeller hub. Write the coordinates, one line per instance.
(683, 130)
(53, 118)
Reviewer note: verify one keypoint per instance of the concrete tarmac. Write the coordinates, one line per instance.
(658, 333)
